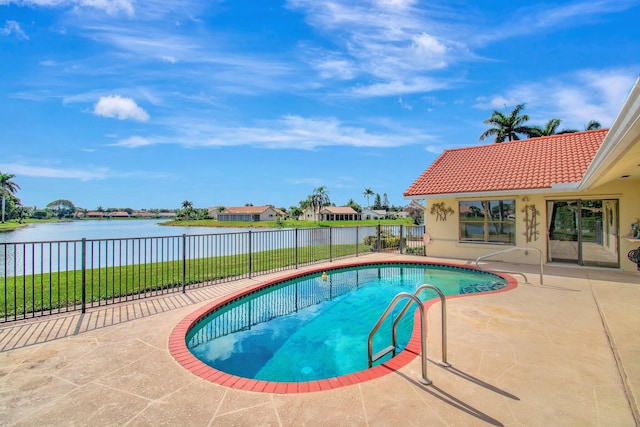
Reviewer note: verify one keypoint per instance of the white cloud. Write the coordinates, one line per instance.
(13, 27)
(295, 132)
(405, 104)
(121, 108)
(546, 17)
(394, 41)
(49, 172)
(395, 87)
(575, 98)
(111, 7)
(133, 142)
(496, 102)
(288, 132)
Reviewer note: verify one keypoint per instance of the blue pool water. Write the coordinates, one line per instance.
(311, 328)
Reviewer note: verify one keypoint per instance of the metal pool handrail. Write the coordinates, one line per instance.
(423, 335)
(443, 313)
(516, 248)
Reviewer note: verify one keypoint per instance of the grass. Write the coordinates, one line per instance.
(62, 291)
(10, 225)
(13, 224)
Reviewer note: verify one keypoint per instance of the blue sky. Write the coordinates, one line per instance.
(145, 104)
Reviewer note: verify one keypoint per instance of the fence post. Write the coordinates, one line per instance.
(297, 256)
(357, 241)
(249, 256)
(83, 303)
(400, 243)
(379, 239)
(424, 243)
(184, 263)
(330, 245)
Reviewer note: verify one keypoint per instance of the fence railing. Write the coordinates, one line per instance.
(43, 278)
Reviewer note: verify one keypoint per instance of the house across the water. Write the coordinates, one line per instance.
(250, 213)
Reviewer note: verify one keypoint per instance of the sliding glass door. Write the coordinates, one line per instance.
(583, 232)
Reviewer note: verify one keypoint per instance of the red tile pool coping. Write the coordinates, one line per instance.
(180, 352)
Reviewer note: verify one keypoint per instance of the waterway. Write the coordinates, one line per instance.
(105, 229)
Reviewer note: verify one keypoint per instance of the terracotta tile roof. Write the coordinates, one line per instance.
(534, 163)
(246, 209)
(339, 210)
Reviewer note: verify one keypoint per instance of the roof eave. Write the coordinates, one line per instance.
(617, 140)
(555, 188)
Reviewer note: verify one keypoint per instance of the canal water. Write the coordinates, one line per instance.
(104, 229)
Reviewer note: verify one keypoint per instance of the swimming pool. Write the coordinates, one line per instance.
(311, 328)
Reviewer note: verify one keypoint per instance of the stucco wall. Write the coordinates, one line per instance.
(444, 233)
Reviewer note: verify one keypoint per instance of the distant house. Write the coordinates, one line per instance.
(309, 214)
(250, 214)
(374, 213)
(166, 214)
(339, 213)
(139, 214)
(118, 214)
(94, 214)
(214, 211)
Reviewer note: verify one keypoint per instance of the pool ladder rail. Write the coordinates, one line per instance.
(424, 379)
(516, 248)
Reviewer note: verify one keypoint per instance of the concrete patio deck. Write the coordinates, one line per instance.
(566, 353)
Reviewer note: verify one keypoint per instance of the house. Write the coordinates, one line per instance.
(118, 214)
(143, 214)
(368, 213)
(339, 213)
(166, 215)
(573, 197)
(309, 214)
(250, 213)
(214, 211)
(94, 214)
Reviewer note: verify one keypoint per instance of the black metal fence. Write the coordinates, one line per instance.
(43, 278)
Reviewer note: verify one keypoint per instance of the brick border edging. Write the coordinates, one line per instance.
(180, 352)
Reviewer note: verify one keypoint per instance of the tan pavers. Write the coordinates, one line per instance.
(562, 354)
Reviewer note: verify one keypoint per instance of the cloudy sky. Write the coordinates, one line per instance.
(145, 104)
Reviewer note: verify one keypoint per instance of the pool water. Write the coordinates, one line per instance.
(313, 328)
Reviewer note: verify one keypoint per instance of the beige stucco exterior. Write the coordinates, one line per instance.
(444, 238)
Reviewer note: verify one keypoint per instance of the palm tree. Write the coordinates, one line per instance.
(551, 128)
(187, 210)
(320, 198)
(593, 125)
(7, 186)
(368, 193)
(507, 127)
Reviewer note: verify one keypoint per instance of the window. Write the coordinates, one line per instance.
(491, 221)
